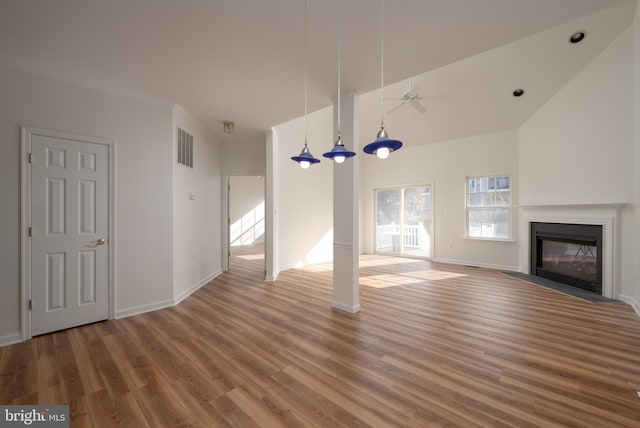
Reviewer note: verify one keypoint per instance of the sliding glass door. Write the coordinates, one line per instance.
(403, 221)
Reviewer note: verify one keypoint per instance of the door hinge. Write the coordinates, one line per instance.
(29, 231)
(30, 157)
(30, 304)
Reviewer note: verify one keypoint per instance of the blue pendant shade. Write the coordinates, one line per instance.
(305, 158)
(382, 145)
(339, 152)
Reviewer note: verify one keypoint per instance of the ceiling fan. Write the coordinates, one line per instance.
(412, 96)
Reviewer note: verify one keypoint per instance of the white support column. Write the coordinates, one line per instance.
(272, 232)
(345, 212)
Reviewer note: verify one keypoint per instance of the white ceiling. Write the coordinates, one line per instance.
(243, 60)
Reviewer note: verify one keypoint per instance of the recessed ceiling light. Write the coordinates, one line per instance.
(577, 37)
(518, 92)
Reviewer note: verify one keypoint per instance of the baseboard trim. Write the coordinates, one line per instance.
(352, 309)
(180, 297)
(10, 339)
(163, 304)
(137, 310)
(476, 264)
(631, 301)
(272, 278)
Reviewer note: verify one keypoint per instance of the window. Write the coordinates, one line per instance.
(403, 221)
(489, 207)
(185, 148)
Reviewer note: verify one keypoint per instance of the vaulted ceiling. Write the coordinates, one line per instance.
(243, 60)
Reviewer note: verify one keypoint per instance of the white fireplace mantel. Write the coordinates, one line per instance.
(605, 215)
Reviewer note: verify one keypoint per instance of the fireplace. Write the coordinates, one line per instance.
(606, 216)
(568, 253)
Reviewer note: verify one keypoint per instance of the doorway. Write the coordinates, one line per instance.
(67, 218)
(403, 221)
(246, 220)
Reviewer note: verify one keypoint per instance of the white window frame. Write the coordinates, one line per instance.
(508, 207)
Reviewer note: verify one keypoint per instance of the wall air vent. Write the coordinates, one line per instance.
(185, 148)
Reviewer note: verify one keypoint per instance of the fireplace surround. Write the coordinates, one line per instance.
(604, 215)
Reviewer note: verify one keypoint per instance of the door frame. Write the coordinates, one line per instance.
(226, 217)
(27, 132)
(432, 213)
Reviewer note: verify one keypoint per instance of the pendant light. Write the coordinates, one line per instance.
(305, 158)
(382, 145)
(339, 152)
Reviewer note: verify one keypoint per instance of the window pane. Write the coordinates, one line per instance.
(475, 215)
(475, 230)
(488, 216)
(475, 199)
(491, 183)
(502, 182)
(502, 198)
(502, 230)
(388, 220)
(474, 185)
(484, 184)
(488, 199)
(416, 217)
(502, 215)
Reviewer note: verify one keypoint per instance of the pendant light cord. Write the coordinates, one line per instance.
(339, 60)
(306, 121)
(382, 62)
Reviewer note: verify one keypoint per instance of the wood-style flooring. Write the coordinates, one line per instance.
(434, 345)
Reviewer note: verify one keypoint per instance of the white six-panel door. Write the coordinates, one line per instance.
(69, 233)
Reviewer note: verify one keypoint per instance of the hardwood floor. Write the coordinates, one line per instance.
(434, 345)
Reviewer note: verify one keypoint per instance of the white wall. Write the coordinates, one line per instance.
(142, 134)
(197, 223)
(635, 293)
(446, 165)
(305, 196)
(584, 138)
(246, 209)
(244, 159)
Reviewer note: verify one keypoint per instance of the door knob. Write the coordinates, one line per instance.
(100, 241)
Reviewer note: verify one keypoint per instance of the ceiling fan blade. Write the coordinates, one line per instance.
(395, 108)
(419, 107)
